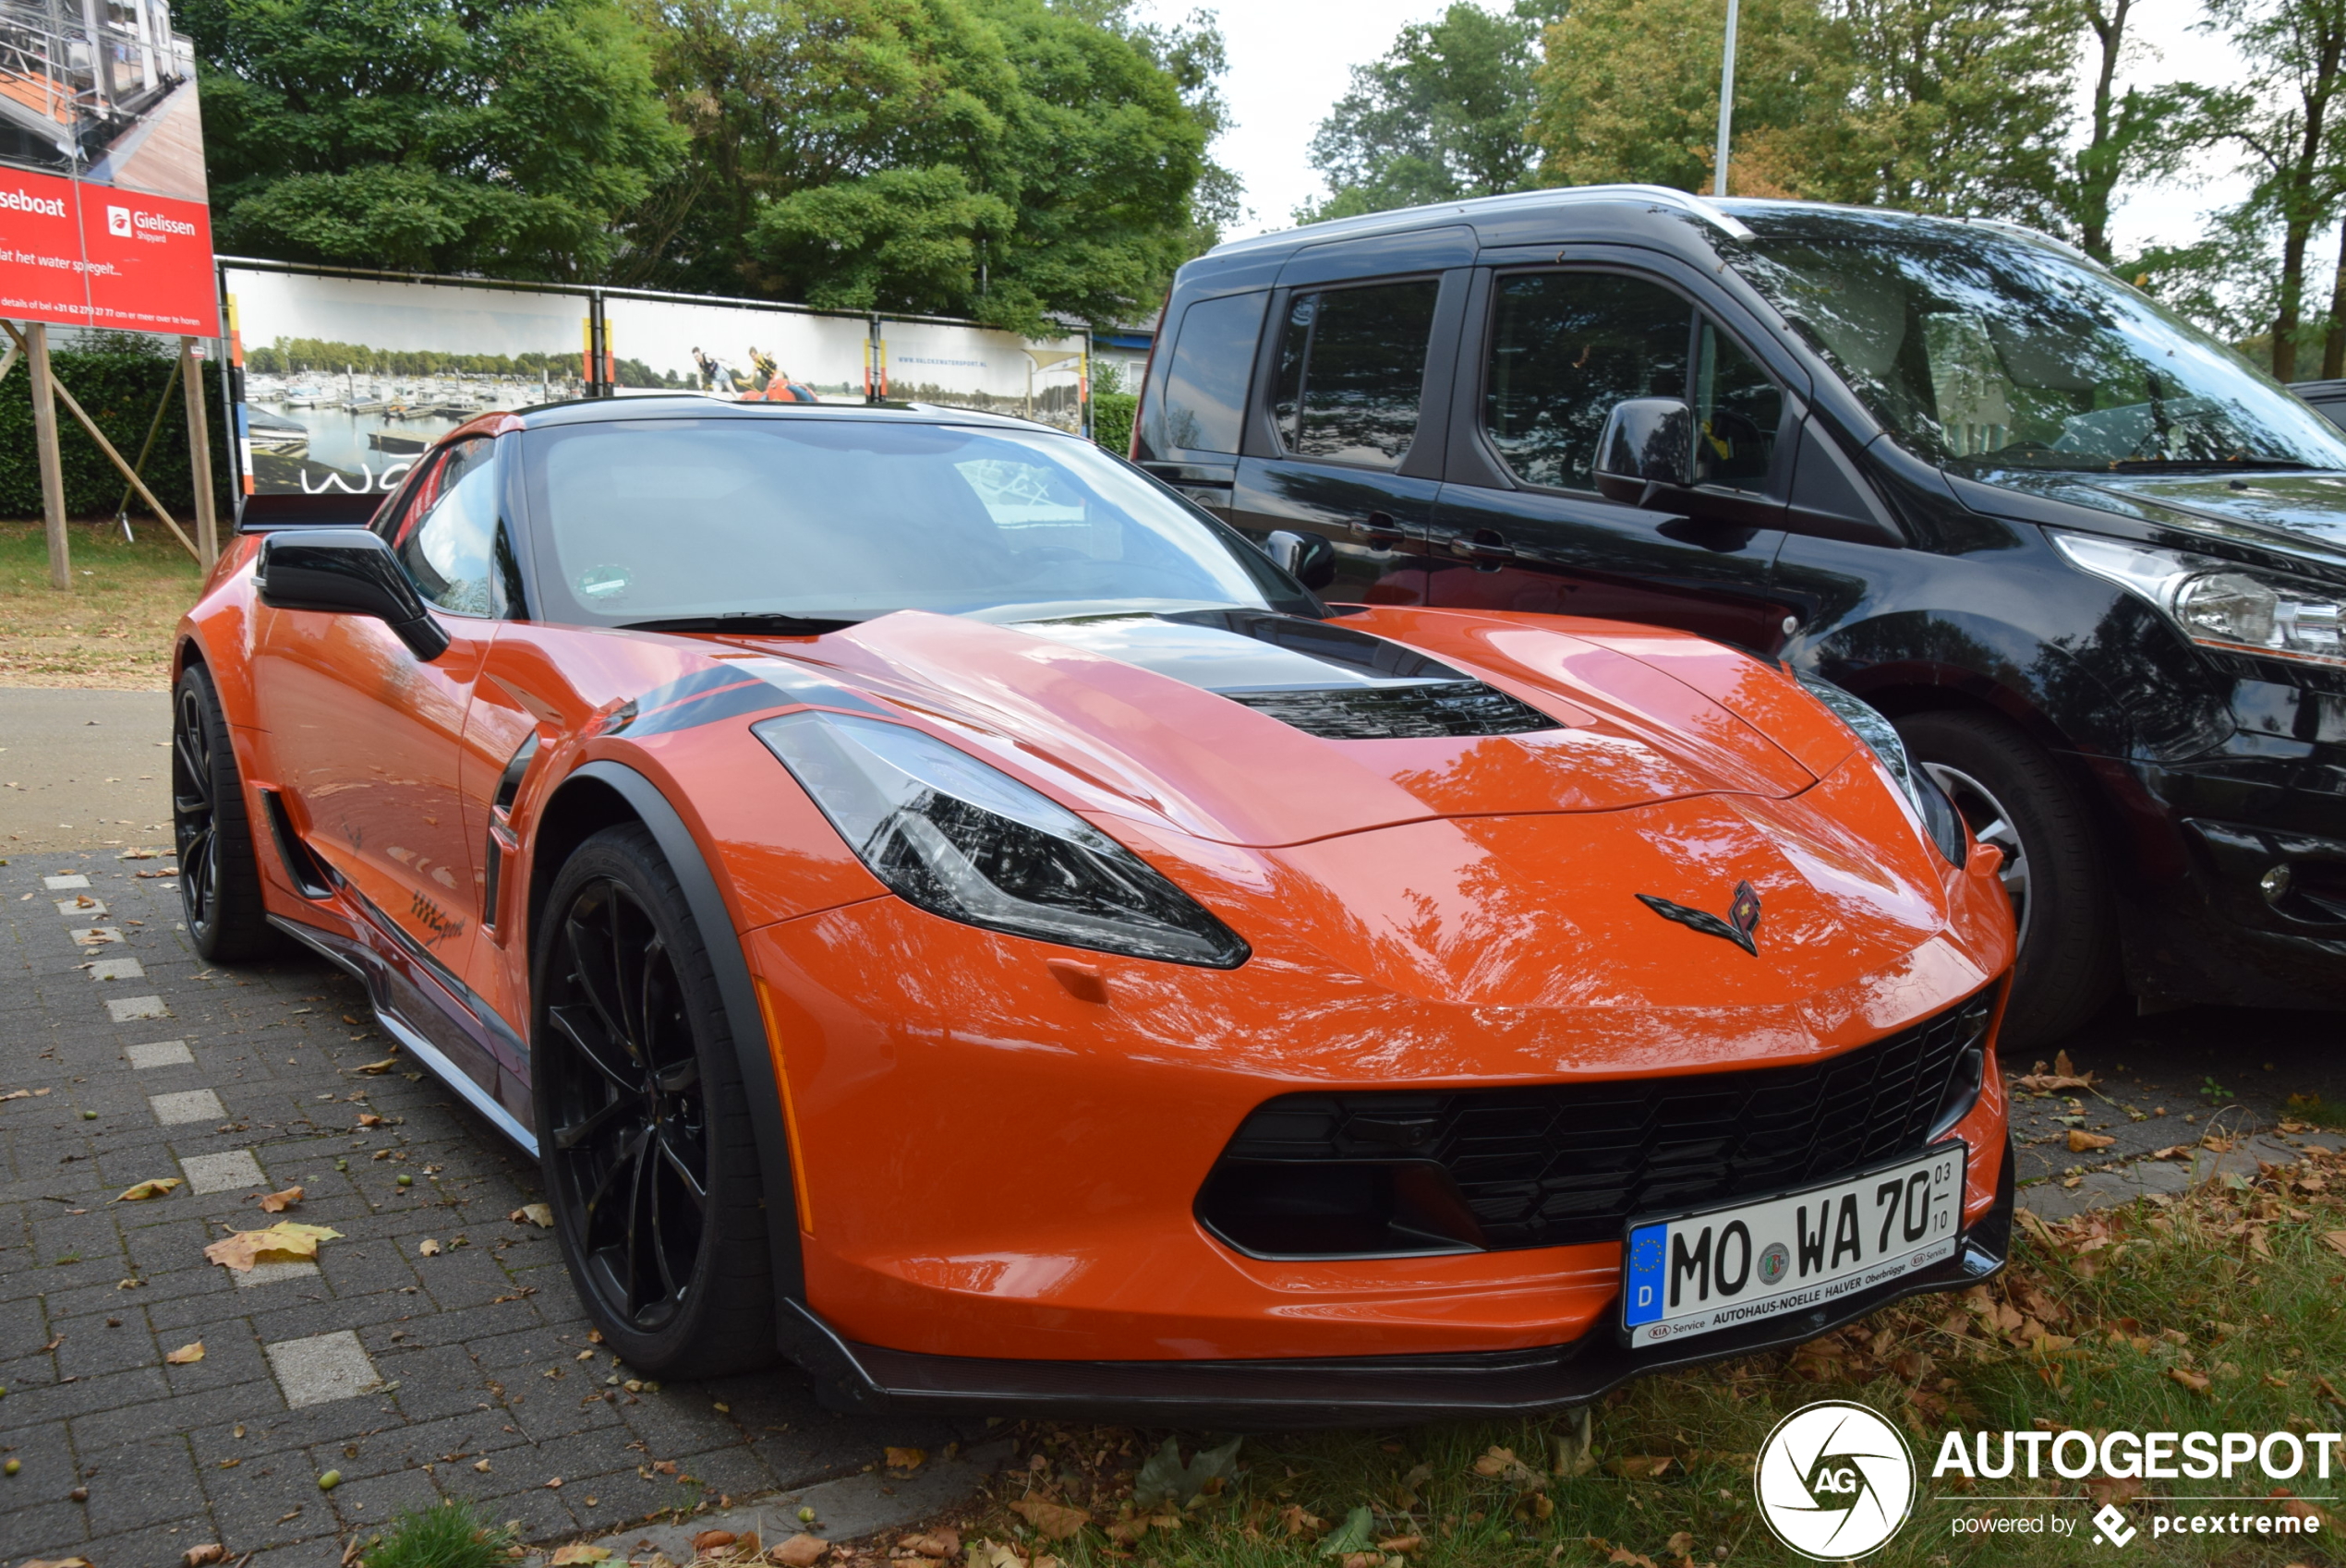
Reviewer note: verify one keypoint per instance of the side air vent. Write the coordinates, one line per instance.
(311, 878)
(1383, 713)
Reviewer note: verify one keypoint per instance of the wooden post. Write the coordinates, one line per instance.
(53, 472)
(200, 455)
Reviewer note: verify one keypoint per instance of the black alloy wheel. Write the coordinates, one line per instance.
(219, 880)
(641, 1132)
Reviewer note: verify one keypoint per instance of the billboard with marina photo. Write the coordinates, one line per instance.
(348, 379)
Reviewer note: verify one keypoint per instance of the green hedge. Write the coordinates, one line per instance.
(118, 381)
(1112, 419)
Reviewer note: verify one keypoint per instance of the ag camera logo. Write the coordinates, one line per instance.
(118, 220)
(1834, 1480)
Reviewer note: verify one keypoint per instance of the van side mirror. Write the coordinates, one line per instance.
(1646, 445)
(346, 572)
(1308, 557)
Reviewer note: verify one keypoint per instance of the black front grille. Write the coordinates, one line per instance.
(1384, 713)
(1551, 1165)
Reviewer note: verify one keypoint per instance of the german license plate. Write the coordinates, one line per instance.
(1696, 1273)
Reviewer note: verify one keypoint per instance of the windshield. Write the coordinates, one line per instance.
(1981, 351)
(650, 521)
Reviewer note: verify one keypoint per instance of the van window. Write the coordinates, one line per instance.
(1565, 348)
(1736, 411)
(1351, 370)
(1205, 386)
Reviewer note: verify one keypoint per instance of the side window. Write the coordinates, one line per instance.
(1205, 386)
(449, 549)
(1351, 370)
(1736, 411)
(1565, 348)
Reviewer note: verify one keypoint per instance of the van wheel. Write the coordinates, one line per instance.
(2013, 795)
(219, 879)
(643, 1126)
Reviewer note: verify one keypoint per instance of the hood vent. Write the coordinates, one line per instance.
(1428, 710)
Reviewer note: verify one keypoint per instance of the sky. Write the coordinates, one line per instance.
(1291, 59)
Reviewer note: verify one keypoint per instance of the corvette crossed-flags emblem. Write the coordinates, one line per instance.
(1743, 917)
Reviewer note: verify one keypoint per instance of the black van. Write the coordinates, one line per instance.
(2088, 560)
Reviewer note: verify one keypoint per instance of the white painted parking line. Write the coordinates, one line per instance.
(160, 1054)
(130, 1010)
(322, 1367)
(93, 908)
(189, 1106)
(271, 1274)
(94, 935)
(59, 883)
(118, 969)
(223, 1173)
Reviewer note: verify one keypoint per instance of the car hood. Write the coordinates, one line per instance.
(1238, 728)
(2275, 510)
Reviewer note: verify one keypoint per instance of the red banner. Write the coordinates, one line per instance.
(84, 255)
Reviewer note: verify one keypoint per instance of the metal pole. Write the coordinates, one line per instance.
(1726, 105)
(53, 472)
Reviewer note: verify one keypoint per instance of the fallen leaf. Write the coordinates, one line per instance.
(159, 1187)
(1621, 1554)
(2335, 1240)
(1402, 1544)
(1639, 1466)
(1053, 1520)
(907, 1458)
(1301, 1520)
(1163, 1478)
(186, 1355)
(285, 1242)
(943, 1541)
(709, 1541)
(428, 1248)
(2106, 1490)
(538, 1214)
(196, 1556)
(278, 1203)
(2172, 1151)
(372, 1068)
(481, 1465)
(2082, 1141)
(368, 1119)
(579, 1552)
(802, 1550)
(57, 1562)
(1351, 1536)
(2196, 1381)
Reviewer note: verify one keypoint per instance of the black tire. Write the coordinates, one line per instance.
(644, 1131)
(2012, 794)
(219, 879)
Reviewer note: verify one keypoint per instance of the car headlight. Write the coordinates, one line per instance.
(960, 839)
(2221, 604)
(1939, 819)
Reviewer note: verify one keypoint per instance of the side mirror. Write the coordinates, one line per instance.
(346, 572)
(1308, 557)
(1646, 445)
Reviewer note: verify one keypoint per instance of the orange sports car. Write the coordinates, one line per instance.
(945, 910)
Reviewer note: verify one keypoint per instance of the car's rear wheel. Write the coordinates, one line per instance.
(219, 879)
(643, 1125)
(2014, 795)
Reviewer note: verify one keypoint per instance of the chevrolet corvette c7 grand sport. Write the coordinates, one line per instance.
(944, 909)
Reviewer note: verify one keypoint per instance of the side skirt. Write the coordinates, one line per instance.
(395, 995)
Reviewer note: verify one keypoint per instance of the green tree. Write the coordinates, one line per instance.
(501, 136)
(2286, 120)
(1003, 159)
(1444, 114)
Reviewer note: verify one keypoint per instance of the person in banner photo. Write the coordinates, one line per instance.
(763, 372)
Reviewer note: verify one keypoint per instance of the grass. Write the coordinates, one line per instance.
(2218, 1310)
(113, 630)
(2315, 1109)
(451, 1535)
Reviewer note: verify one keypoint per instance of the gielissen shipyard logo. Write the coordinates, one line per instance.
(1835, 1482)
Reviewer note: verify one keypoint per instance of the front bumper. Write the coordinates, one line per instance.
(1358, 1390)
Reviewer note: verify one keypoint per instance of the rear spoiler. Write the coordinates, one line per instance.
(266, 513)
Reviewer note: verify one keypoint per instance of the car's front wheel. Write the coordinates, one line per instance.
(2013, 795)
(643, 1126)
(219, 878)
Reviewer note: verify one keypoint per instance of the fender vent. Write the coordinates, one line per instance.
(1431, 709)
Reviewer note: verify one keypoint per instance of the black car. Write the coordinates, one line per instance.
(2088, 560)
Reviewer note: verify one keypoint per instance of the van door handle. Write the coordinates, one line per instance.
(1379, 531)
(1484, 544)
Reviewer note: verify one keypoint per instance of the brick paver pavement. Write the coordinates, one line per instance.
(464, 1374)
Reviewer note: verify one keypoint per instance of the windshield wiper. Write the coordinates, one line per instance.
(2206, 465)
(754, 621)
